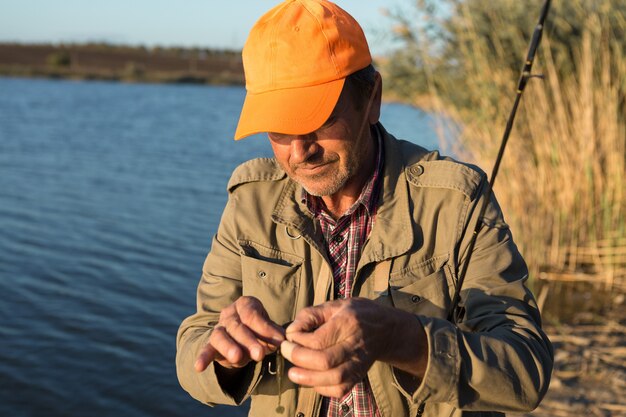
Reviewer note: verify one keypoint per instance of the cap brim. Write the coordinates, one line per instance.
(292, 111)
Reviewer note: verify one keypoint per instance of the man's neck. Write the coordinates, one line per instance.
(338, 203)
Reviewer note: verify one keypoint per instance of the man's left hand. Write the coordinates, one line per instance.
(333, 345)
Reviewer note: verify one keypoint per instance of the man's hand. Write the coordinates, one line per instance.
(333, 345)
(243, 333)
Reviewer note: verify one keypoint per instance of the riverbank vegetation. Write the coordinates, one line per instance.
(101, 61)
(563, 179)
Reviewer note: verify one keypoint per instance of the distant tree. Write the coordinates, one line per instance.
(133, 71)
(59, 59)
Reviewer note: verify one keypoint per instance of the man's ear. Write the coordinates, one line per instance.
(374, 114)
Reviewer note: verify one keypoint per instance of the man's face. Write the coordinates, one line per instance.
(334, 158)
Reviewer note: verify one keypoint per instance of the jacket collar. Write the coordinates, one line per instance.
(392, 234)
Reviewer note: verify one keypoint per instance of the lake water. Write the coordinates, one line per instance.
(109, 196)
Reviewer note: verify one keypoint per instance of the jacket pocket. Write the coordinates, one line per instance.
(423, 289)
(272, 277)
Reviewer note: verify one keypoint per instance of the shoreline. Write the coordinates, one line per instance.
(155, 78)
(122, 63)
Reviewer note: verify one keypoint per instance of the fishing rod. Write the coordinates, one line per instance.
(454, 312)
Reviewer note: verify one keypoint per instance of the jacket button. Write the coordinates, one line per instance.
(262, 274)
(415, 298)
(417, 170)
(300, 415)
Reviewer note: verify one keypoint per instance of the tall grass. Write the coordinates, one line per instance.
(562, 181)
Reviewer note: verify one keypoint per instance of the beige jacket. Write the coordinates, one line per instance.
(268, 246)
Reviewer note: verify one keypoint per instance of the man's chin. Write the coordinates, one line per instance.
(320, 190)
(316, 193)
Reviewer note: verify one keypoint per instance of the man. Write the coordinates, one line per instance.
(344, 250)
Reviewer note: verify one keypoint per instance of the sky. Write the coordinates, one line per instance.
(188, 23)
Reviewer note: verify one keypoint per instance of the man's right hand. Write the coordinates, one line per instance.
(243, 333)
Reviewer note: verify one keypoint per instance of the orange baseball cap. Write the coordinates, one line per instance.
(295, 61)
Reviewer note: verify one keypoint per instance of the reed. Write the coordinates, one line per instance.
(562, 181)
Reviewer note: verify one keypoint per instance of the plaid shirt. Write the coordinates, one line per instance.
(344, 240)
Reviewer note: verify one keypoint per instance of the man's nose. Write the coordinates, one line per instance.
(302, 148)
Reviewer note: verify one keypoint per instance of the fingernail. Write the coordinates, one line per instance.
(256, 352)
(286, 349)
(232, 354)
(276, 341)
(294, 376)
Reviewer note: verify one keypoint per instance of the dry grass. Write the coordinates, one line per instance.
(562, 181)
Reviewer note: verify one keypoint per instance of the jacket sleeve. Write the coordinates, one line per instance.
(220, 286)
(497, 357)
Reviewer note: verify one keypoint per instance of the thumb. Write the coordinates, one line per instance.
(307, 320)
(308, 324)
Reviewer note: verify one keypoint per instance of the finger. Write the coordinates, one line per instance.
(332, 329)
(233, 353)
(246, 338)
(313, 359)
(265, 329)
(254, 316)
(325, 336)
(309, 319)
(334, 391)
(268, 347)
(336, 376)
(206, 356)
